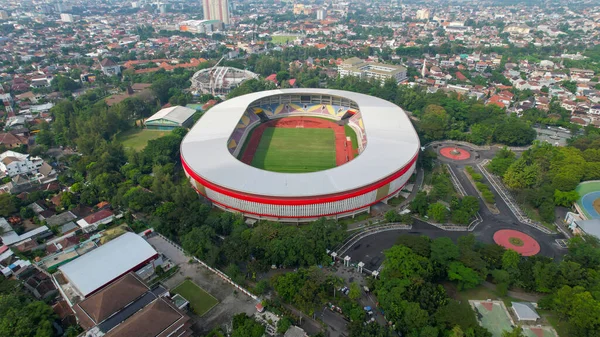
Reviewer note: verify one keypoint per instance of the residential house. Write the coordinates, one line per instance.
(109, 67)
(91, 222)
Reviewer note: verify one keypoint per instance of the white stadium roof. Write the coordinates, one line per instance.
(107, 262)
(391, 144)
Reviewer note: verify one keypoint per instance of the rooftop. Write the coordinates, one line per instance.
(95, 269)
(389, 132)
(178, 114)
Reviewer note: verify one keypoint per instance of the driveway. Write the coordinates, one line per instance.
(231, 301)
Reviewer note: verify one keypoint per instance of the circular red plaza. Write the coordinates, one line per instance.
(455, 153)
(517, 241)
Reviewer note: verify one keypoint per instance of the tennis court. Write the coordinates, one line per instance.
(539, 331)
(493, 316)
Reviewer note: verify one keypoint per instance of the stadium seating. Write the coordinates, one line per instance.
(273, 111)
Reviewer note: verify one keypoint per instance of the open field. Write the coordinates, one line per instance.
(295, 150)
(200, 301)
(137, 139)
(280, 39)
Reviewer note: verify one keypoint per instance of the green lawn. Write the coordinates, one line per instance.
(137, 139)
(350, 133)
(280, 39)
(200, 301)
(292, 150)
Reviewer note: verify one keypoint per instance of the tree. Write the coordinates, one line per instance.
(7, 205)
(467, 278)
(420, 204)
(510, 263)
(283, 325)
(418, 244)
(517, 331)
(244, 326)
(434, 122)
(444, 251)
(438, 212)
(501, 161)
(402, 262)
(565, 199)
(354, 293)
(19, 318)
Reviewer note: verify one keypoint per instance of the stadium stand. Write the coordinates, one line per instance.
(265, 110)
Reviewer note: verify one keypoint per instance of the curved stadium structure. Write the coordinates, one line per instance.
(296, 155)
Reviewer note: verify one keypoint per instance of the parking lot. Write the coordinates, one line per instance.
(231, 302)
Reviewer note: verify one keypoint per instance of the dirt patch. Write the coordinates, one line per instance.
(596, 204)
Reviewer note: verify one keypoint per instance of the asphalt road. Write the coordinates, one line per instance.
(370, 249)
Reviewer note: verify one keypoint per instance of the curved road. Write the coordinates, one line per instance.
(370, 249)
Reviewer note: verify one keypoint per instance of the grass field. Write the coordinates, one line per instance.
(200, 301)
(137, 139)
(350, 133)
(280, 39)
(295, 150)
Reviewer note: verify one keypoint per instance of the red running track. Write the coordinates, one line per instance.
(461, 155)
(530, 246)
(343, 147)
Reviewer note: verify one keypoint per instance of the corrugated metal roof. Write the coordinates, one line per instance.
(392, 143)
(178, 114)
(107, 262)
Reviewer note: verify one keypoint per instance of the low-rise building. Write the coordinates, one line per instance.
(91, 222)
(367, 70)
(94, 270)
(170, 118)
(127, 307)
(13, 163)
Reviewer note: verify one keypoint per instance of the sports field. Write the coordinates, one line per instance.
(200, 301)
(295, 150)
(281, 39)
(137, 139)
(589, 195)
(492, 316)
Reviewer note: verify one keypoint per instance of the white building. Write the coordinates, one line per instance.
(359, 68)
(422, 14)
(321, 14)
(13, 163)
(216, 10)
(64, 17)
(97, 268)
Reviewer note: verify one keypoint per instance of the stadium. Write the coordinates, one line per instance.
(296, 155)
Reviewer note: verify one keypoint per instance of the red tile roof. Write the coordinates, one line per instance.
(100, 215)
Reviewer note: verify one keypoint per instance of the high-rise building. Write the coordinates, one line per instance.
(321, 14)
(3, 15)
(216, 10)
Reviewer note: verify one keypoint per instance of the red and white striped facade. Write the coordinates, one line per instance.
(377, 174)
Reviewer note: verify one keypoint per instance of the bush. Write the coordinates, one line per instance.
(482, 187)
(476, 176)
(488, 197)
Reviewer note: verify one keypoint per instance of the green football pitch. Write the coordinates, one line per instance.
(292, 150)
(200, 301)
